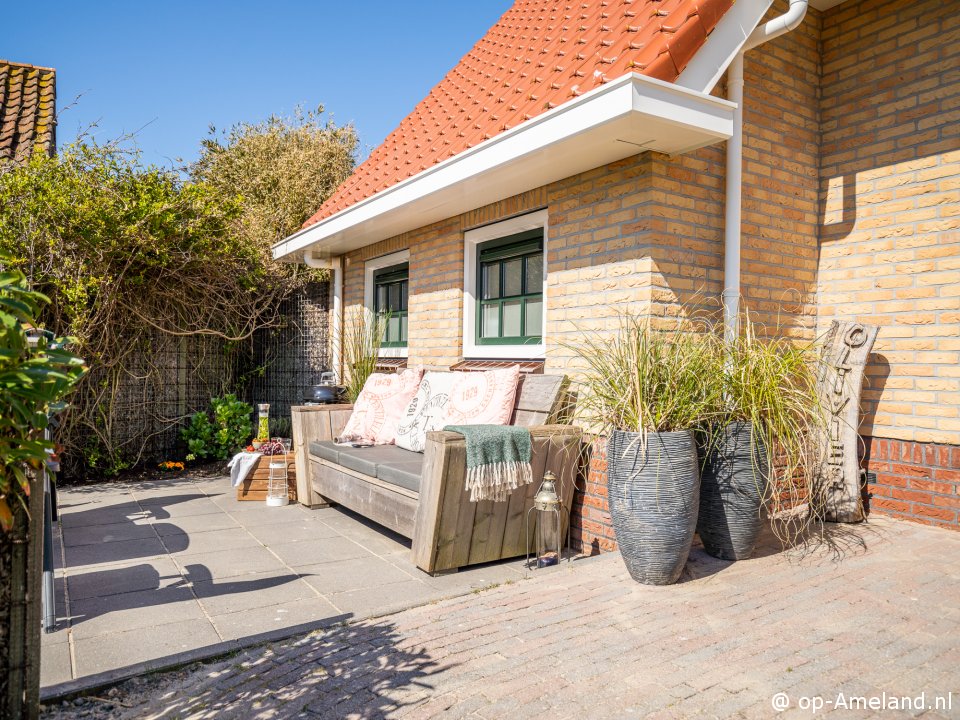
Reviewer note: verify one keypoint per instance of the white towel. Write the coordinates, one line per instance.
(241, 465)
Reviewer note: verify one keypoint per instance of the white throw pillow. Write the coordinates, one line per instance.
(426, 411)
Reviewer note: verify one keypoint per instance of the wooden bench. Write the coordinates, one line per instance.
(447, 531)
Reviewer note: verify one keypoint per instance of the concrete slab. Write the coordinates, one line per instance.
(114, 553)
(384, 599)
(93, 534)
(55, 664)
(90, 513)
(192, 524)
(118, 650)
(152, 574)
(132, 610)
(300, 528)
(313, 552)
(229, 563)
(252, 623)
(355, 574)
(247, 592)
(194, 543)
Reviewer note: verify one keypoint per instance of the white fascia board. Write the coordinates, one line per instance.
(706, 68)
(622, 118)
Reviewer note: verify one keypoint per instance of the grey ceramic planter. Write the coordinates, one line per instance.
(654, 497)
(733, 482)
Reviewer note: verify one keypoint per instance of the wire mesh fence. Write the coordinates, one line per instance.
(167, 379)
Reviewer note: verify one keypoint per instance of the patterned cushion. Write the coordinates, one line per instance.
(483, 398)
(380, 406)
(426, 411)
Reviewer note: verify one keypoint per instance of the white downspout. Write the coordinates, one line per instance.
(335, 265)
(731, 255)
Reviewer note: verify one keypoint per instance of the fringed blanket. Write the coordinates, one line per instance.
(498, 459)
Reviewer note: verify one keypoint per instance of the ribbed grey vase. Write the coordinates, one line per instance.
(733, 481)
(654, 496)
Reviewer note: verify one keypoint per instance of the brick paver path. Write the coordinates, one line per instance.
(844, 623)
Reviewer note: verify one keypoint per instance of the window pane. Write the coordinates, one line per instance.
(403, 328)
(490, 321)
(534, 274)
(534, 318)
(511, 318)
(394, 297)
(393, 329)
(381, 303)
(512, 274)
(404, 290)
(491, 281)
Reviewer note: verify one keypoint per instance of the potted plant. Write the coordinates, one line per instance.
(768, 409)
(644, 390)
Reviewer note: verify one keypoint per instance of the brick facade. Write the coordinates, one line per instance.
(850, 208)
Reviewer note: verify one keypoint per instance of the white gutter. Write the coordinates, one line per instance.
(731, 254)
(618, 119)
(335, 265)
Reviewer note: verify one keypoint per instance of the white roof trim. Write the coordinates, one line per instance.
(706, 68)
(619, 119)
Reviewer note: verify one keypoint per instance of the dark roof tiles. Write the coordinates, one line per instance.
(27, 110)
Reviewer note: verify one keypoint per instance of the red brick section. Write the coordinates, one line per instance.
(539, 55)
(915, 481)
(591, 529)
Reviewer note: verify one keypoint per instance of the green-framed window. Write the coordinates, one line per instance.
(390, 290)
(510, 290)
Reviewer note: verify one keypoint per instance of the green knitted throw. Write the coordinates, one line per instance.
(498, 459)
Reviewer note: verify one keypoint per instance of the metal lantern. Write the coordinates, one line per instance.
(546, 505)
(277, 490)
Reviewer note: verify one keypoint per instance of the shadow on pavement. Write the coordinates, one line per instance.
(362, 670)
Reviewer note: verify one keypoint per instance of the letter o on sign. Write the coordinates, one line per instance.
(856, 336)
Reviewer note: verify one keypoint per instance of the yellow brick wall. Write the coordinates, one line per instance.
(890, 192)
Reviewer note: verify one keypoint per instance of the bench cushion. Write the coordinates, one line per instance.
(387, 462)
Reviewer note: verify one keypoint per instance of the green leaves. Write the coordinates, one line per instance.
(221, 432)
(34, 379)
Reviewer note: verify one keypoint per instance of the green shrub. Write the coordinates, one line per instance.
(220, 432)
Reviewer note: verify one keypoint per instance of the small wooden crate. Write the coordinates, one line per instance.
(254, 487)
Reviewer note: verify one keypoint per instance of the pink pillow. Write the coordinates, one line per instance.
(380, 406)
(483, 398)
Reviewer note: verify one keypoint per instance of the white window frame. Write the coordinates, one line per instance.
(473, 238)
(370, 267)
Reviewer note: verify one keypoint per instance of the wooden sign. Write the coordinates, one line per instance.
(845, 351)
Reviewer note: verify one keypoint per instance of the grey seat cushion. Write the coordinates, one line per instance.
(388, 462)
(325, 449)
(403, 474)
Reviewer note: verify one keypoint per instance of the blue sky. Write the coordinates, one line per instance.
(170, 69)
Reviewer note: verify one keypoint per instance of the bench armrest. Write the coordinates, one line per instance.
(308, 423)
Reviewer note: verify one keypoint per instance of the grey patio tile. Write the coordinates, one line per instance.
(130, 577)
(229, 563)
(376, 538)
(90, 535)
(276, 617)
(257, 513)
(55, 664)
(132, 610)
(114, 553)
(86, 515)
(356, 574)
(312, 552)
(120, 649)
(184, 543)
(294, 531)
(466, 580)
(385, 599)
(191, 524)
(221, 597)
(174, 506)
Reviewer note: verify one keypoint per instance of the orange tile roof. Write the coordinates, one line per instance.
(540, 54)
(27, 110)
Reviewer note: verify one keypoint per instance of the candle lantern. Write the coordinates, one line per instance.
(263, 422)
(277, 489)
(546, 540)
